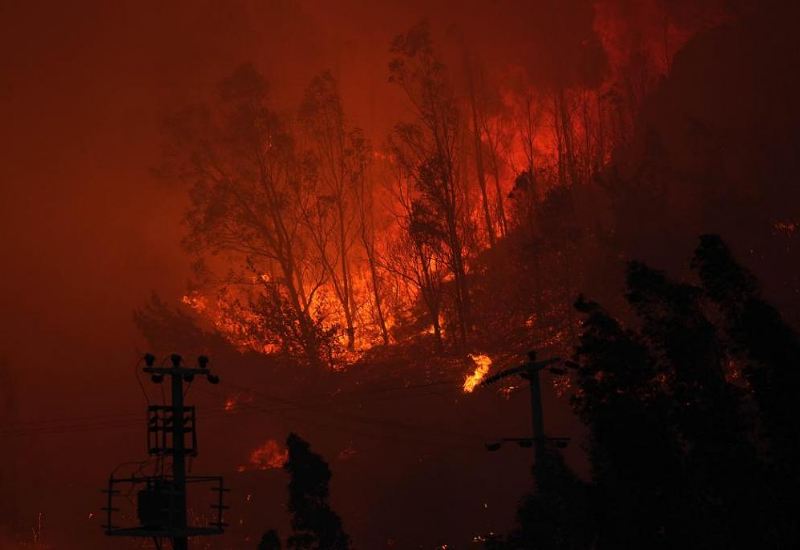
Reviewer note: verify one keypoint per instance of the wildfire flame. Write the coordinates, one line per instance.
(482, 364)
(270, 455)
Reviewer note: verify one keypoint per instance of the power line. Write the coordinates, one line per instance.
(81, 420)
(92, 423)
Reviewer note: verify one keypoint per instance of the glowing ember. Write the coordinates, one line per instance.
(268, 456)
(236, 401)
(196, 302)
(482, 364)
(507, 391)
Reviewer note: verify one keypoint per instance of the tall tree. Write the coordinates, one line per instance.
(270, 541)
(417, 260)
(340, 155)
(766, 345)
(365, 195)
(767, 351)
(477, 119)
(707, 412)
(248, 194)
(558, 514)
(316, 526)
(635, 456)
(428, 150)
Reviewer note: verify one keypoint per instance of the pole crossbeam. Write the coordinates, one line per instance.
(162, 504)
(530, 371)
(178, 371)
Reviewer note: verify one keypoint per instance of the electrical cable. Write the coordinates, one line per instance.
(287, 405)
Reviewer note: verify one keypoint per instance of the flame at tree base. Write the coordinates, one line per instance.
(482, 364)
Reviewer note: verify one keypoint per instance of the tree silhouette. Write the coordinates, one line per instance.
(249, 189)
(636, 464)
(270, 541)
(428, 151)
(558, 514)
(767, 345)
(339, 156)
(316, 526)
(683, 453)
(706, 411)
(768, 350)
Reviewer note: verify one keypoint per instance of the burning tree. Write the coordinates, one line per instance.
(429, 153)
(250, 192)
(294, 202)
(367, 227)
(339, 154)
(417, 262)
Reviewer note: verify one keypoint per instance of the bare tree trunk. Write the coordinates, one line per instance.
(376, 293)
(587, 136)
(459, 274)
(559, 143)
(347, 294)
(308, 333)
(432, 298)
(566, 133)
(280, 242)
(499, 203)
(454, 242)
(294, 283)
(476, 130)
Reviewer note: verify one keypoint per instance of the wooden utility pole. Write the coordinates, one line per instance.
(161, 505)
(178, 452)
(530, 371)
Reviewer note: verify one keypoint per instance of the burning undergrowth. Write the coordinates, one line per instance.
(268, 456)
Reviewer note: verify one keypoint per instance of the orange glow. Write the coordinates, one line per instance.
(270, 455)
(561, 135)
(237, 400)
(482, 364)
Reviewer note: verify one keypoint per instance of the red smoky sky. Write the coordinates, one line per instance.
(87, 232)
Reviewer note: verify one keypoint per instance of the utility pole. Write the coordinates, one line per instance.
(162, 501)
(178, 450)
(530, 371)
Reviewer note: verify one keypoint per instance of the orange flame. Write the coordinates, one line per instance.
(482, 364)
(270, 455)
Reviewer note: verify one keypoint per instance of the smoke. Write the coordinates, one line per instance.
(86, 231)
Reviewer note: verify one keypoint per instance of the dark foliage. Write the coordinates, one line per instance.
(680, 456)
(759, 337)
(558, 515)
(270, 541)
(315, 525)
